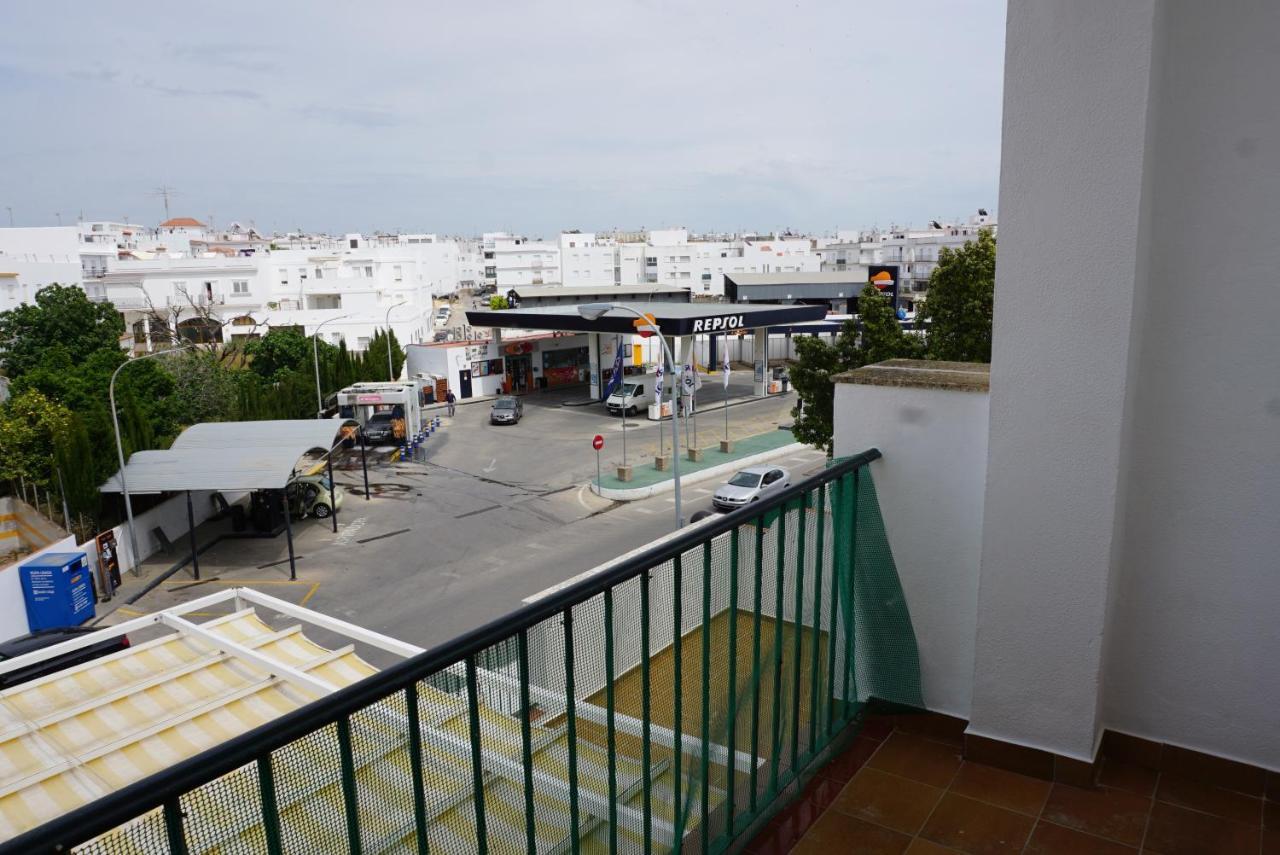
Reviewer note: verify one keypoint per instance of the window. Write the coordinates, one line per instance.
(355, 244)
(239, 286)
(396, 273)
(368, 271)
(284, 276)
(319, 272)
(302, 273)
(362, 342)
(650, 261)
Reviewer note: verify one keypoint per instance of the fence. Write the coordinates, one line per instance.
(671, 703)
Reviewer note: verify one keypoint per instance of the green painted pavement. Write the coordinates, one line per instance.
(644, 474)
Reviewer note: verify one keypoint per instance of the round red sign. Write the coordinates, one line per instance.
(598, 442)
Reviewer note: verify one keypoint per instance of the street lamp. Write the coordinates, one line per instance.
(593, 311)
(391, 373)
(315, 357)
(115, 422)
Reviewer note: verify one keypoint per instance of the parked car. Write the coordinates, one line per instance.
(507, 410)
(380, 429)
(309, 496)
(443, 313)
(41, 639)
(630, 397)
(751, 485)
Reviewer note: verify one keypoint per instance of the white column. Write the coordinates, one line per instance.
(760, 353)
(593, 361)
(1076, 140)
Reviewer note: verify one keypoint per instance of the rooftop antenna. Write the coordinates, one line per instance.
(164, 191)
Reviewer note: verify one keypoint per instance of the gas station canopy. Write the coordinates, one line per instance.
(674, 319)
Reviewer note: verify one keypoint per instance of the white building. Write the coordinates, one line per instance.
(520, 261)
(31, 258)
(352, 286)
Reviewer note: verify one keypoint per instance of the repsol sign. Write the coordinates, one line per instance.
(725, 322)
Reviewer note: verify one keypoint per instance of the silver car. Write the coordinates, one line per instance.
(749, 485)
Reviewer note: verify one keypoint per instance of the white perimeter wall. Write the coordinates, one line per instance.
(930, 484)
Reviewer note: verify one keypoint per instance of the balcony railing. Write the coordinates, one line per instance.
(674, 700)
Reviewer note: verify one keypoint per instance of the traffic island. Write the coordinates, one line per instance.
(649, 480)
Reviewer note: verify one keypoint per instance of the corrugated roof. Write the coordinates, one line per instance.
(67, 739)
(228, 456)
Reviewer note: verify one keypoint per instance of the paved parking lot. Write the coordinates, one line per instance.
(490, 516)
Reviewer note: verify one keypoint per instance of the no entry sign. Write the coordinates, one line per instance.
(598, 442)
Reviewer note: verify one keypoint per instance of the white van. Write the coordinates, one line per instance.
(631, 396)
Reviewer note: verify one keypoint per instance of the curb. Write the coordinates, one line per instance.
(668, 485)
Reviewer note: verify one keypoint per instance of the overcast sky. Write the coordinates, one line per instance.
(480, 116)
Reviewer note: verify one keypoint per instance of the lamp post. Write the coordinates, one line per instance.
(115, 422)
(315, 357)
(390, 373)
(592, 311)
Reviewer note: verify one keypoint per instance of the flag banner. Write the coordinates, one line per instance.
(615, 381)
(657, 387)
(725, 367)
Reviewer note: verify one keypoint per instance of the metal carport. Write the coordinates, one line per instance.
(232, 456)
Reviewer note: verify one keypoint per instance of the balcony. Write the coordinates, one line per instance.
(672, 701)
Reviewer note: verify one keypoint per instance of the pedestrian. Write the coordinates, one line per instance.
(450, 400)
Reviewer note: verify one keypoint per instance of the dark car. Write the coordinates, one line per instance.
(507, 410)
(43, 638)
(380, 429)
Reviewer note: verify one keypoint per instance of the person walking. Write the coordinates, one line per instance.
(450, 399)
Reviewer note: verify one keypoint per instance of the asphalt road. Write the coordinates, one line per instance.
(491, 516)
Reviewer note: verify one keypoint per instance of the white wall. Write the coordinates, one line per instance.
(1194, 633)
(1077, 77)
(930, 486)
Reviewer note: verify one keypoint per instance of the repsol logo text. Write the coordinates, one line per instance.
(728, 322)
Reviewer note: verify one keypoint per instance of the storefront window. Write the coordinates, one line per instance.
(564, 367)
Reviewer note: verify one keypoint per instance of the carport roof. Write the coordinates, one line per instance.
(228, 456)
(672, 318)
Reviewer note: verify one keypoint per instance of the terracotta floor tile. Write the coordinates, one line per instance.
(1113, 814)
(877, 727)
(1178, 831)
(1208, 799)
(846, 764)
(920, 846)
(839, 833)
(888, 800)
(917, 758)
(1050, 839)
(975, 827)
(785, 829)
(1128, 776)
(1003, 789)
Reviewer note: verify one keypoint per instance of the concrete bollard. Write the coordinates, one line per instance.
(662, 462)
(726, 446)
(694, 454)
(624, 473)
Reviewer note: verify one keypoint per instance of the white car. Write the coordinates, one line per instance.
(443, 313)
(751, 485)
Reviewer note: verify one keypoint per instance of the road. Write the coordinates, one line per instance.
(493, 515)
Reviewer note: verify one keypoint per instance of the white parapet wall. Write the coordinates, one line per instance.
(929, 420)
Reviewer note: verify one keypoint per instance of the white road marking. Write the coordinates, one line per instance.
(671, 500)
(702, 491)
(641, 510)
(493, 464)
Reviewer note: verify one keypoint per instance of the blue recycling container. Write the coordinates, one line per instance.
(57, 590)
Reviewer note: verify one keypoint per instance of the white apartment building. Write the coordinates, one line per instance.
(350, 286)
(913, 251)
(671, 257)
(587, 260)
(518, 261)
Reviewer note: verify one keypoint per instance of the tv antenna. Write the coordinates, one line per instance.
(165, 192)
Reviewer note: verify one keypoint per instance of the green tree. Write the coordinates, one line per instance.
(205, 389)
(877, 337)
(281, 350)
(497, 301)
(375, 358)
(73, 457)
(961, 300)
(29, 422)
(62, 317)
